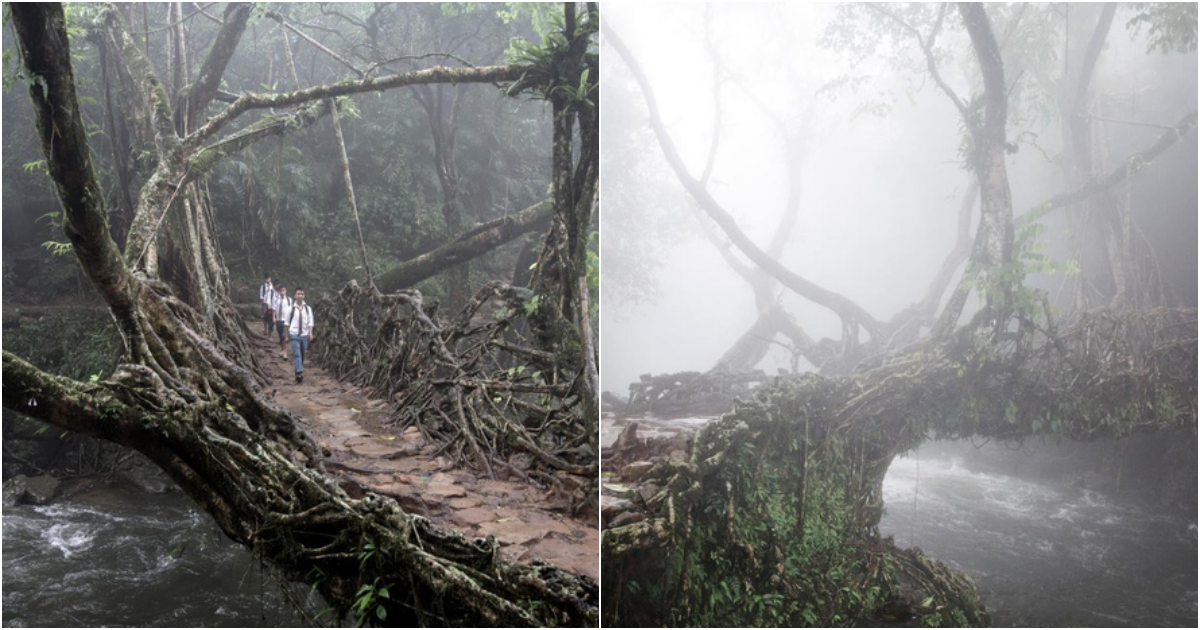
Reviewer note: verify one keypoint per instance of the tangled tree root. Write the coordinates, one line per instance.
(685, 393)
(473, 384)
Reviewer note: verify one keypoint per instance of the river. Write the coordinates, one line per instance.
(123, 557)
(1045, 553)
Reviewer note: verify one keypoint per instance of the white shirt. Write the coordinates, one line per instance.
(300, 320)
(280, 304)
(265, 291)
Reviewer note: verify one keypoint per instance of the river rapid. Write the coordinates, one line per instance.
(1042, 551)
(118, 556)
(1045, 553)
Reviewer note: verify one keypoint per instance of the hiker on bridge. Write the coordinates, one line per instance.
(264, 298)
(300, 328)
(281, 305)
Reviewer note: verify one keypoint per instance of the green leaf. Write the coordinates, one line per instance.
(58, 249)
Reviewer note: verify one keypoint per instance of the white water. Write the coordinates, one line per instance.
(1046, 554)
(132, 559)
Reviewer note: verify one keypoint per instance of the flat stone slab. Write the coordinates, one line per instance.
(372, 449)
(547, 522)
(634, 471)
(401, 465)
(442, 477)
(473, 516)
(395, 478)
(336, 416)
(567, 555)
(463, 503)
(512, 532)
(498, 488)
(444, 490)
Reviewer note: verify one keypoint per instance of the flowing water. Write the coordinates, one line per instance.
(1043, 553)
(123, 557)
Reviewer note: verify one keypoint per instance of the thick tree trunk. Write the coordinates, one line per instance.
(560, 277)
(444, 128)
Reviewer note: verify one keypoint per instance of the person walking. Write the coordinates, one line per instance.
(300, 331)
(264, 298)
(281, 304)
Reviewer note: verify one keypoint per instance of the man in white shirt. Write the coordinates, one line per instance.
(281, 304)
(264, 298)
(300, 331)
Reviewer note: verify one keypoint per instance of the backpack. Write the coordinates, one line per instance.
(292, 317)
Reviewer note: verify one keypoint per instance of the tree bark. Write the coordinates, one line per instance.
(195, 97)
(470, 244)
(992, 253)
(345, 161)
(444, 129)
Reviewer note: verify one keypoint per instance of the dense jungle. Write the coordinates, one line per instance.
(899, 315)
(427, 174)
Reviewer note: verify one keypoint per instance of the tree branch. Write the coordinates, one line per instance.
(1129, 166)
(1092, 56)
(927, 48)
(316, 44)
(147, 85)
(470, 244)
(87, 409)
(196, 97)
(437, 74)
(207, 158)
(845, 308)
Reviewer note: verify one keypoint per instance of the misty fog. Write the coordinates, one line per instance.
(881, 182)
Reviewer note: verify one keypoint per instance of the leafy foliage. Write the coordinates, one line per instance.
(1170, 26)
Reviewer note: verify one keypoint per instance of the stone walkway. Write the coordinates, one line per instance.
(528, 523)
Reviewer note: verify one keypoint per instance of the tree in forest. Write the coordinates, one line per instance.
(187, 393)
(772, 517)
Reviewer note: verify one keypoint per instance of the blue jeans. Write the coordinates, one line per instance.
(299, 349)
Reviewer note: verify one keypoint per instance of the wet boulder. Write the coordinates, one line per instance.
(634, 471)
(146, 476)
(14, 490)
(39, 490)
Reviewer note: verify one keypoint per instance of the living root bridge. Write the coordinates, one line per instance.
(261, 495)
(773, 517)
(472, 384)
